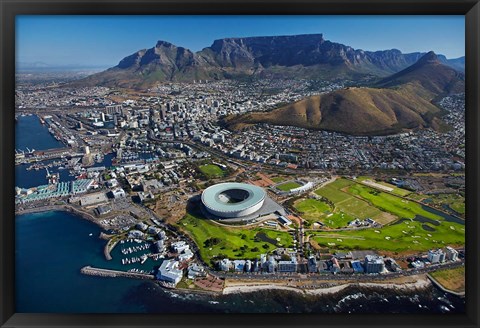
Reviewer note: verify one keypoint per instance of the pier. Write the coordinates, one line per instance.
(91, 271)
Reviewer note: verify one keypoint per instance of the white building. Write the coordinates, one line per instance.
(374, 264)
(180, 246)
(271, 264)
(225, 265)
(112, 183)
(141, 226)
(169, 272)
(195, 270)
(186, 255)
(451, 254)
(136, 234)
(436, 256)
(118, 193)
(287, 266)
(239, 265)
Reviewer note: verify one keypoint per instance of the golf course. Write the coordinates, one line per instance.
(215, 240)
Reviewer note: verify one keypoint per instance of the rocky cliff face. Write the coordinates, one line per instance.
(294, 56)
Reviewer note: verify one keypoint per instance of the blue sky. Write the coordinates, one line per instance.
(105, 40)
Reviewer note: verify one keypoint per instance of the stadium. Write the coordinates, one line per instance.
(233, 200)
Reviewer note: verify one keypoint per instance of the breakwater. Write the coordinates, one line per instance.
(108, 248)
(91, 271)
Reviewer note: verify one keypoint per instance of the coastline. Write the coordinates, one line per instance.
(65, 208)
(421, 282)
(70, 209)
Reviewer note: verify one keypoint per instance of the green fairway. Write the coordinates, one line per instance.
(396, 205)
(347, 202)
(396, 190)
(338, 219)
(211, 171)
(332, 190)
(313, 208)
(234, 243)
(405, 236)
(287, 186)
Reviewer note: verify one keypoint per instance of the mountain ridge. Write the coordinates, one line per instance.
(400, 102)
(309, 55)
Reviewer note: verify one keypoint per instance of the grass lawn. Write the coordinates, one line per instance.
(277, 179)
(396, 190)
(211, 171)
(232, 239)
(404, 236)
(346, 202)
(453, 279)
(408, 235)
(287, 186)
(338, 219)
(396, 205)
(312, 208)
(332, 190)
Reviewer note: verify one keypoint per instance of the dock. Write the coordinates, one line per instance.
(91, 271)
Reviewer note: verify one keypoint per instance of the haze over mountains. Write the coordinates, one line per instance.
(398, 102)
(295, 56)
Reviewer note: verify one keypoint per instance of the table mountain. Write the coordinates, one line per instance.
(293, 56)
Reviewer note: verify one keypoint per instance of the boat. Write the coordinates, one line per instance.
(91, 234)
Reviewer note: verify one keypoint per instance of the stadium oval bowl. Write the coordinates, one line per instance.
(233, 200)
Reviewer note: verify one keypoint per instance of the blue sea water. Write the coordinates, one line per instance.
(30, 133)
(52, 247)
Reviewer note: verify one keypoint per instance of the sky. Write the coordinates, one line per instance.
(92, 41)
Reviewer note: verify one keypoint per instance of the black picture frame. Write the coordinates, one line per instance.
(11, 8)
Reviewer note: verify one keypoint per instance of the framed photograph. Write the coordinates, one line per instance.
(199, 163)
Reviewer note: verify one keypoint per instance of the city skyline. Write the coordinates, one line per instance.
(105, 40)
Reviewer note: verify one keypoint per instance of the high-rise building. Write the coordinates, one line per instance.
(113, 109)
(374, 264)
(434, 256)
(163, 113)
(451, 254)
(287, 266)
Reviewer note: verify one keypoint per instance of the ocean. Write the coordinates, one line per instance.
(52, 247)
(31, 134)
(39, 138)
